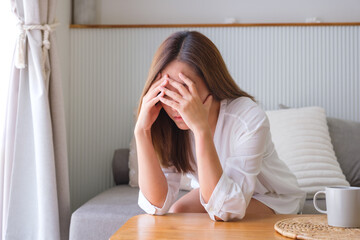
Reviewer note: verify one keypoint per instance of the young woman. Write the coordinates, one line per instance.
(193, 118)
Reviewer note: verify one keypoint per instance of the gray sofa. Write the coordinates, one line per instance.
(101, 216)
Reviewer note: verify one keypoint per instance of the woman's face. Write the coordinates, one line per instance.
(172, 70)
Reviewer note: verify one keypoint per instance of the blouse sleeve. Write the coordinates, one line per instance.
(236, 186)
(173, 179)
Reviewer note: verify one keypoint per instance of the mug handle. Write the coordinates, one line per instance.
(314, 200)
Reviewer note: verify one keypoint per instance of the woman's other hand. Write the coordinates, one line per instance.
(187, 102)
(152, 181)
(150, 108)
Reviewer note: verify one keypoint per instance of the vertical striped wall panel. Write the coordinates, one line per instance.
(295, 66)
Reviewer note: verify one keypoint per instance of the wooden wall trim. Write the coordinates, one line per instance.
(215, 25)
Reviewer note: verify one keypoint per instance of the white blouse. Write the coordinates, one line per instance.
(251, 167)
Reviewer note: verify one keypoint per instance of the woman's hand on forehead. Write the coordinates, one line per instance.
(179, 82)
(186, 101)
(171, 78)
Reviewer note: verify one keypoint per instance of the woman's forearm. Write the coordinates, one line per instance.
(209, 167)
(152, 181)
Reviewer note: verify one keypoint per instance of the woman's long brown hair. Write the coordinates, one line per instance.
(172, 144)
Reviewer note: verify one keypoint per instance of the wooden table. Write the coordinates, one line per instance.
(199, 226)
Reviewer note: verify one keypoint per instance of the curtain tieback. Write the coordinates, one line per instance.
(21, 41)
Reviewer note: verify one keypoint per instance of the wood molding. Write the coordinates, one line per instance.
(214, 25)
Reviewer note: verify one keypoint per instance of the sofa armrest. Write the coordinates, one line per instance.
(120, 166)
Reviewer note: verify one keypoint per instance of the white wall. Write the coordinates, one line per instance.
(63, 43)
(215, 11)
(63, 46)
(106, 80)
(295, 66)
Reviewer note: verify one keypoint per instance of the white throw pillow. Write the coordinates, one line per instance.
(185, 183)
(301, 138)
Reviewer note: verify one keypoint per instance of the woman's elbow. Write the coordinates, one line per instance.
(153, 211)
(156, 213)
(227, 217)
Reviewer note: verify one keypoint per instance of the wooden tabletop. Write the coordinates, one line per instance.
(199, 226)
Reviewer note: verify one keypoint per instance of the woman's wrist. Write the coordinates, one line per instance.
(139, 132)
(202, 132)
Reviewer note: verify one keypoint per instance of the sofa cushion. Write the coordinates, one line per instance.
(309, 208)
(345, 137)
(301, 138)
(103, 215)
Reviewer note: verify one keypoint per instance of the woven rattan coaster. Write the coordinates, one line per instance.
(314, 227)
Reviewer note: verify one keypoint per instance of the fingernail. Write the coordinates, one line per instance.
(181, 75)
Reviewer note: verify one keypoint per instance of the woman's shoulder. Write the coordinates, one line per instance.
(244, 110)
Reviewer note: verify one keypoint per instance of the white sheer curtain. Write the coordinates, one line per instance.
(34, 182)
(7, 24)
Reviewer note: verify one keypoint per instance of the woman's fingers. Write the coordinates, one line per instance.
(189, 83)
(154, 91)
(180, 87)
(153, 94)
(177, 97)
(156, 99)
(158, 80)
(169, 102)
